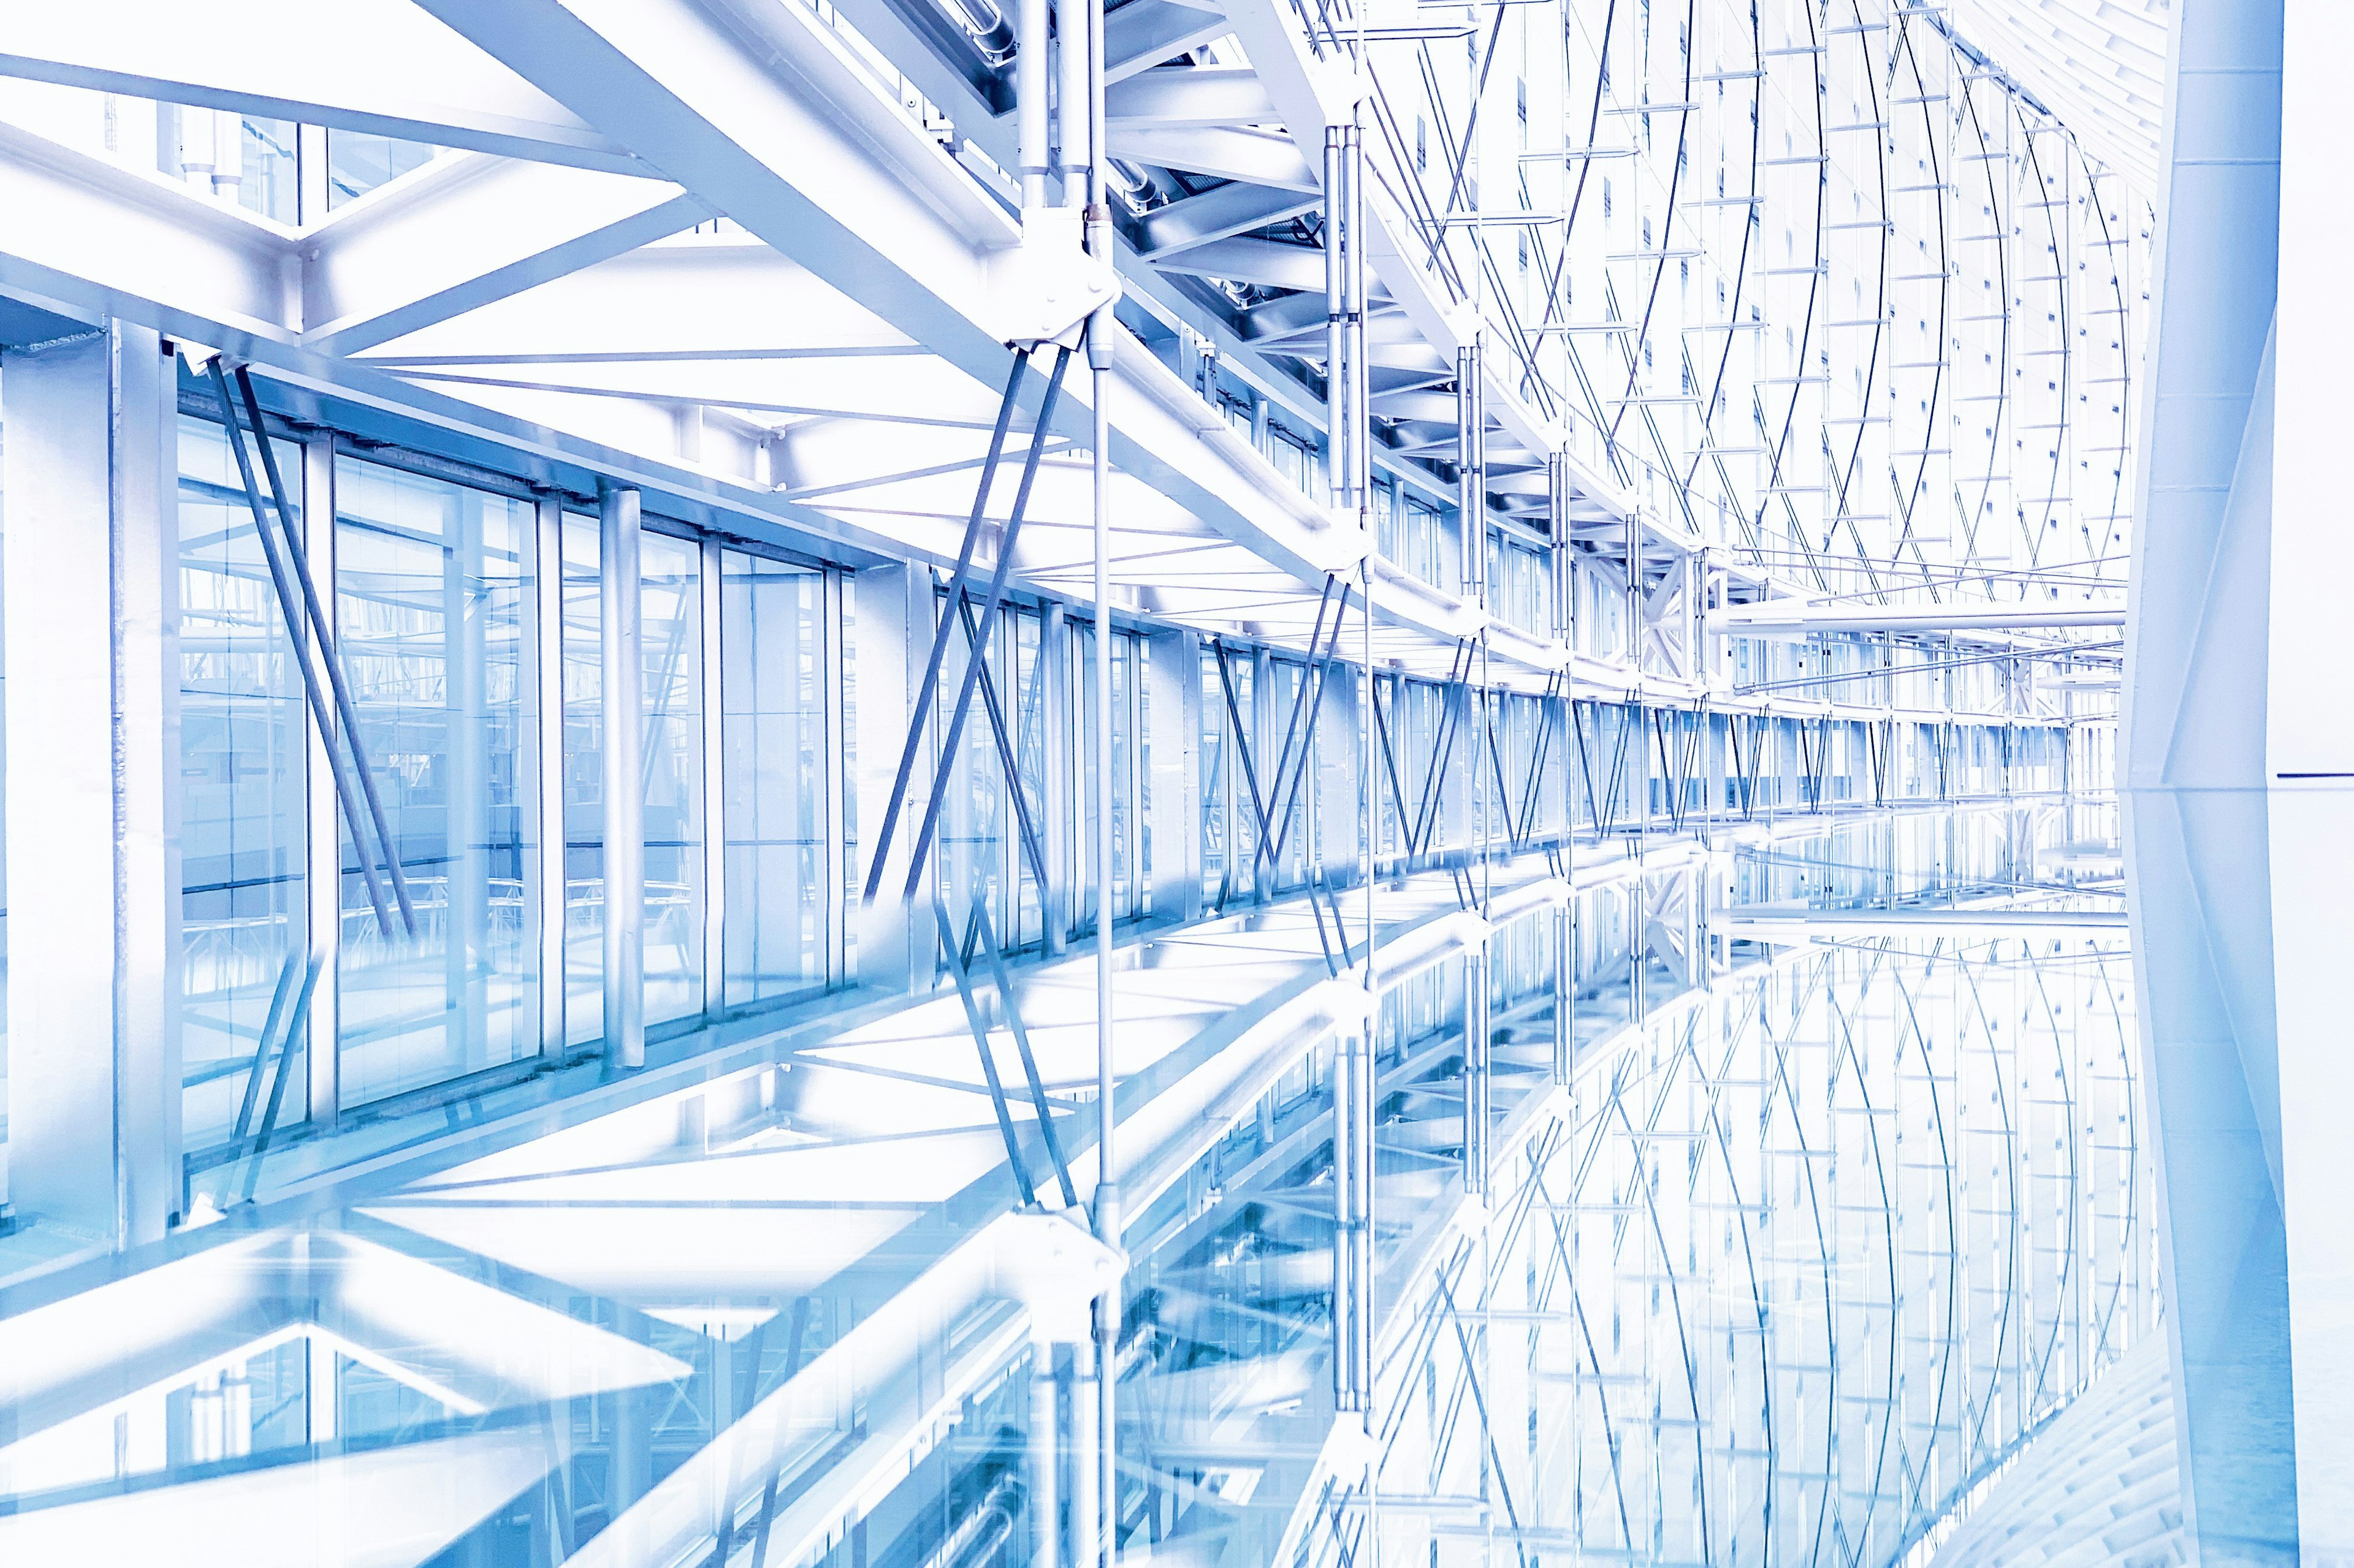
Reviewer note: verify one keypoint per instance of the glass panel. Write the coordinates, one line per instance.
(266, 165)
(1290, 801)
(772, 651)
(1211, 737)
(1138, 773)
(1029, 726)
(584, 786)
(1125, 766)
(1241, 808)
(974, 839)
(432, 587)
(1129, 766)
(242, 732)
(358, 161)
(671, 619)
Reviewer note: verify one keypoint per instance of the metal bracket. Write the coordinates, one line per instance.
(1055, 1267)
(1047, 287)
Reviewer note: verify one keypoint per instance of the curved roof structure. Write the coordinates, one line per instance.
(2098, 65)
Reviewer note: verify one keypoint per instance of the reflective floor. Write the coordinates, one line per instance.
(1815, 1184)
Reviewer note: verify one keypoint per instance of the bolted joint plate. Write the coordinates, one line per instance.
(1055, 1267)
(1045, 289)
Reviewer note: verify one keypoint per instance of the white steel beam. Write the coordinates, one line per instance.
(95, 239)
(1835, 924)
(480, 229)
(1794, 616)
(378, 65)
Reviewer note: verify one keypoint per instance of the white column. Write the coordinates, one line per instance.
(622, 647)
(545, 637)
(1333, 786)
(715, 795)
(2309, 761)
(310, 174)
(894, 632)
(324, 840)
(840, 781)
(1264, 717)
(1043, 1459)
(92, 612)
(1061, 827)
(1172, 748)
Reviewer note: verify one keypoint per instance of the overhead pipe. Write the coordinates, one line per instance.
(1078, 94)
(985, 24)
(1034, 43)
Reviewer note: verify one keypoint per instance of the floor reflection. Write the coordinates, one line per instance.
(1817, 1189)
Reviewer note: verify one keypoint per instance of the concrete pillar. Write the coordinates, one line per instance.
(623, 656)
(87, 470)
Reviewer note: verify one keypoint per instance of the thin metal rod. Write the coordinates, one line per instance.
(278, 1082)
(1357, 1151)
(1389, 752)
(302, 649)
(988, 608)
(344, 708)
(1108, 1310)
(286, 972)
(1242, 744)
(1317, 673)
(1299, 700)
(1586, 765)
(1458, 670)
(1038, 1100)
(1537, 754)
(1503, 789)
(1006, 756)
(979, 1023)
(930, 686)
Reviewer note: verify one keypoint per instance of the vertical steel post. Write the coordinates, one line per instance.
(1033, 48)
(91, 631)
(324, 854)
(1348, 453)
(1100, 328)
(1044, 1458)
(1076, 86)
(839, 784)
(1360, 1088)
(1558, 517)
(1564, 989)
(1472, 507)
(544, 637)
(621, 649)
(1471, 501)
(1058, 903)
(1635, 592)
(714, 793)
